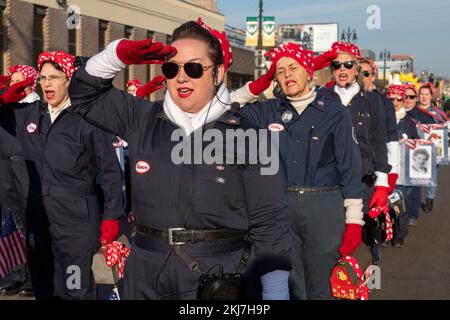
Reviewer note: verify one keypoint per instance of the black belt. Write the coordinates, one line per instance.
(310, 189)
(177, 236)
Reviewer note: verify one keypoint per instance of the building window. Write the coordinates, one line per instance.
(38, 32)
(72, 45)
(102, 27)
(2, 36)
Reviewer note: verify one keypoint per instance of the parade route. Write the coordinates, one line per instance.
(420, 270)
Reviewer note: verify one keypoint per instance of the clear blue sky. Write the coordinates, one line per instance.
(417, 27)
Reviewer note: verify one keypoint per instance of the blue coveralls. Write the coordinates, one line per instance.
(369, 121)
(14, 183)
(64, 159)
(317, 152)
(201, 197)
(407, 130)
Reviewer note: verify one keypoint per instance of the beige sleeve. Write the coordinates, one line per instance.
(354, 211)
(243, 95)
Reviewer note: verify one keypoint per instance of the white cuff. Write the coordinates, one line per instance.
(105, 64)
(382, 179)
(243, 95)
(393, 148)
(354, 211)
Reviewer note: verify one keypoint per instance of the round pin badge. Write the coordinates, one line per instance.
(286, 116)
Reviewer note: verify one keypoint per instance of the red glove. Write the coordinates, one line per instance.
(143, 52)
(15, 92)
(351, 239)
(379, 197)
(324, 60)
(4, 80)
(109, 230)
(392, 179)
(153, 85)
(262, 83)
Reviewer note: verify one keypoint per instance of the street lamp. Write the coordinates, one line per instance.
(349, 35)
(260, 40)
(384, 54)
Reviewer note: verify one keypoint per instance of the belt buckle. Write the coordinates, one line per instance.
(170, 233)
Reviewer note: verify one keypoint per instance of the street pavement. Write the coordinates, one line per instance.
(421, 269)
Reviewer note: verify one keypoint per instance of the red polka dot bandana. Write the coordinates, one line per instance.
(134, 82)
(117, 253)
(348, 48)
(376, 211)
(394, 90)
(224, 44)
(27, 71)
(411, 86)
(63, 59)
(295, 51)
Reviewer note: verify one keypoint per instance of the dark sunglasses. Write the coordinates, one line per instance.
(336, 65)
(410, 97)
(398, 99)
(194, 70)
(366, 74)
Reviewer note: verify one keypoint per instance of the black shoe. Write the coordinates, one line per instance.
(386, 244)
(428, 207)
(399, 243)
(10, 288)
(26, 290)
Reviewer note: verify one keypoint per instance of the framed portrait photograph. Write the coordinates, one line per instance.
(438, 134)
(417, 163)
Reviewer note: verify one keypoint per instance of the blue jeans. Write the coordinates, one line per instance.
(430, 192)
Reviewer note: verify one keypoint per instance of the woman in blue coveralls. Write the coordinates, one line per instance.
(320, 164)
(407, 130)
(427, 113)
(191, 218)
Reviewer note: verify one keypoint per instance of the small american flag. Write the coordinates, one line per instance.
(114, 295)
(12, 247)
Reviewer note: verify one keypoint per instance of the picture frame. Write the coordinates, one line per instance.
(438, 134)
(418, 164)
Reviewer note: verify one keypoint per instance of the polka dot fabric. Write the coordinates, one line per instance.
(394, 90)
(27, 71)
(295, 51)
(375, 211)
(63, 59)
(134, 82)
(117, 253)
(411, 86)
(346, 47)
(363, 290)
(224, 44)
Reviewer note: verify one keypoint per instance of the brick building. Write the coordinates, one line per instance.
(84, 27)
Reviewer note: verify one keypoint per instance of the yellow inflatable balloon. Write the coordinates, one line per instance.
(409, 77)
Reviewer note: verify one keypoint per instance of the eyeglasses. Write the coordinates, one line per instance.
(336, 65)
(51, 79)
(411, 97)
(366, 74)
(398, 99)
(193, 69)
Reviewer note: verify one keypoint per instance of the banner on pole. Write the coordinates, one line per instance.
(251, 34)
(268, 32)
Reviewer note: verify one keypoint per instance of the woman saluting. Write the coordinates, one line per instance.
(192, 219)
